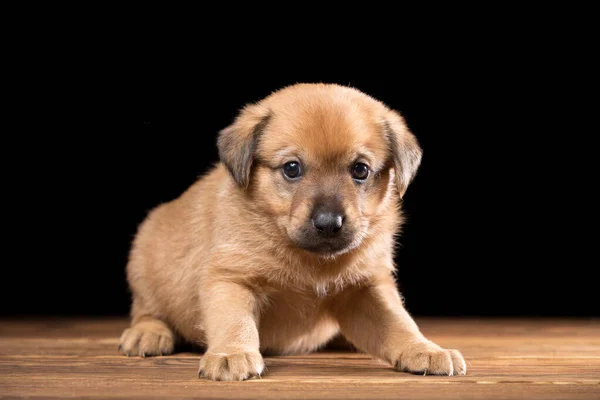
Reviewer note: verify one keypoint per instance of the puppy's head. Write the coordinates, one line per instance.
(322, 161)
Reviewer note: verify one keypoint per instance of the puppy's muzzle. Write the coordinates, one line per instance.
(327, 222)
(327, 230)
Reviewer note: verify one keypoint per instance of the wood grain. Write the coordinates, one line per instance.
(507, 358)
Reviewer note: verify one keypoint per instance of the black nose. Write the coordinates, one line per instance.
(328, 223)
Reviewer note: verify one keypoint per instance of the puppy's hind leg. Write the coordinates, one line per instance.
(148, 336)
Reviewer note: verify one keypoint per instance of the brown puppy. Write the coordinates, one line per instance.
(287, 242)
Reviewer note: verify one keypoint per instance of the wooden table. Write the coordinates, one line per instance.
(507, 358)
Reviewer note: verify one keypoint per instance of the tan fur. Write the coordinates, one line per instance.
(220, 266)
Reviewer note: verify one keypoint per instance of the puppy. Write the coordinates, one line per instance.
(286, 242)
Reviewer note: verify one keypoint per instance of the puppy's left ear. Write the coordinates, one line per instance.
(237, 143)
(405, 150)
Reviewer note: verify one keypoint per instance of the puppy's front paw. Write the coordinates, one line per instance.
(427, 358)
(147, 338)
(237, 366)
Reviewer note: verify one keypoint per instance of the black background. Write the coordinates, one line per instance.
(498, 222)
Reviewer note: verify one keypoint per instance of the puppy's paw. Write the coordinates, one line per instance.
(147, 338)
(237, 366)
(427, 358)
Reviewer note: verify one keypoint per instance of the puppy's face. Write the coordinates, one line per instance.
(321, 160)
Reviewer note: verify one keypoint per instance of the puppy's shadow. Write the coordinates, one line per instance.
(187, 347)
(338, 344)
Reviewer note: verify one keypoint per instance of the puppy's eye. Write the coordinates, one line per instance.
(292, 170)
(360, 171)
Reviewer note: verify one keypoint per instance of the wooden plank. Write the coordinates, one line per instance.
(508, 358)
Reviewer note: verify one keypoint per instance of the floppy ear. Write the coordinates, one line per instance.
(237, 142)
(405, 150)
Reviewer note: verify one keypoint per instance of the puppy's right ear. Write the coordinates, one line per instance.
(237, 143)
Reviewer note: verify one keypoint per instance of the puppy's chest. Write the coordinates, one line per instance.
(298, 307)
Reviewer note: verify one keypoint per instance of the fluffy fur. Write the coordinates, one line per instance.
(234, 263)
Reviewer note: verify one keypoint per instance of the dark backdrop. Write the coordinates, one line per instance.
(494, 215)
